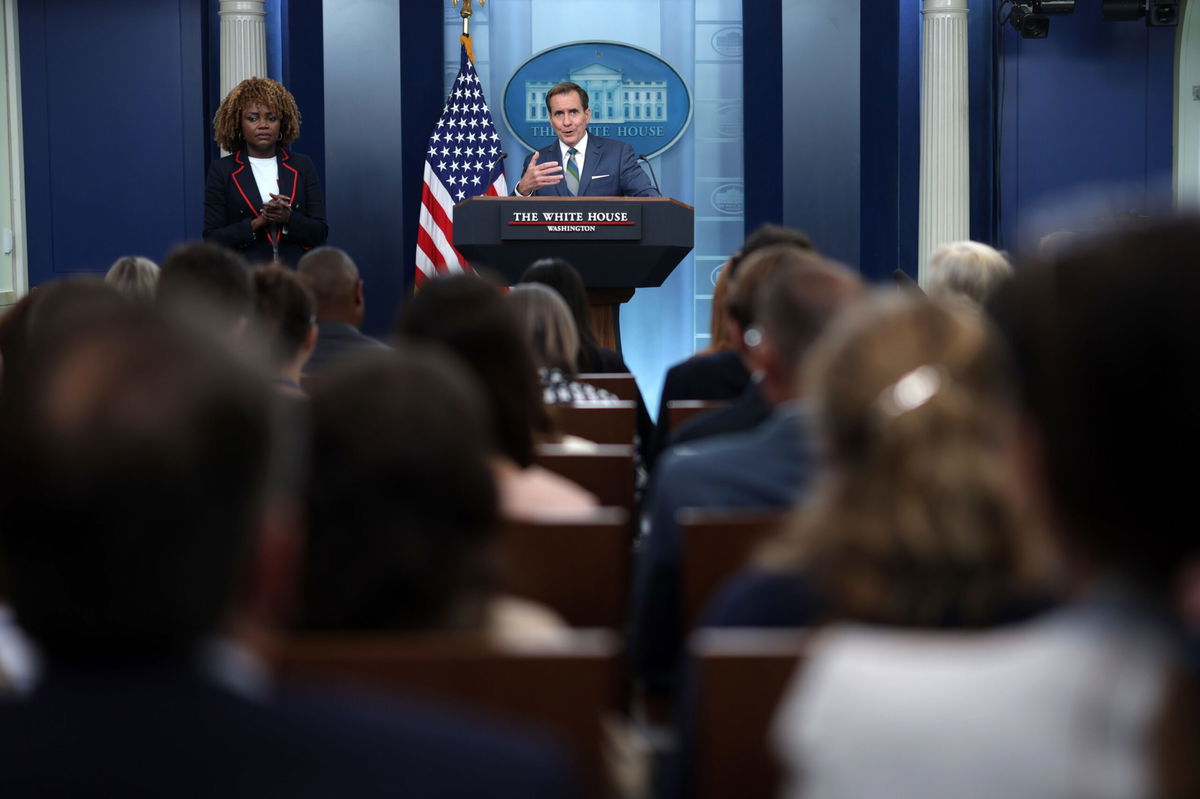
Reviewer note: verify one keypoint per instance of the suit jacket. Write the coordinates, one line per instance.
(336, 342)
(767, 467)
(609, 170)
(717, 375)
(160, 728)
(232, 200)
(747, 412)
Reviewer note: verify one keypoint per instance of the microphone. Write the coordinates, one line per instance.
(643, 157)
(497, 163)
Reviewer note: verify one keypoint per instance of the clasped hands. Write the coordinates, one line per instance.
(538, 175)
(276, 212)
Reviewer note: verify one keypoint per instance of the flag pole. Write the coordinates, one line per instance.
(465, 13)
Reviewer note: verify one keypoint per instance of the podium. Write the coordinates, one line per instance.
(618, 244)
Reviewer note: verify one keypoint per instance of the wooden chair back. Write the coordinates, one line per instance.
(622, 384)
(607, 471)
(605, 422)
(564, 690)
(717, 543)
(579, 567)
(741, 676)
(679, 411)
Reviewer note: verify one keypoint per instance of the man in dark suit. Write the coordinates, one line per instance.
(578, 164)
(333, 278)
(145, 554)
(766, 467)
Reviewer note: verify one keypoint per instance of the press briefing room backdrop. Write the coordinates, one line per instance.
(802, 112)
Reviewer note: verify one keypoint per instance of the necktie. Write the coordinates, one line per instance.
(572, 172)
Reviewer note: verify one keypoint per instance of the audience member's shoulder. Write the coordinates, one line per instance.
(424, 749)
(712, 375)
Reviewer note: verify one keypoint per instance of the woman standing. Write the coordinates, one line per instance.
(262, 200)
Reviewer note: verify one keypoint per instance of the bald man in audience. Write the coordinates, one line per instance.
(338, 290)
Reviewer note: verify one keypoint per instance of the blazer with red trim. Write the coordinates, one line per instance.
(232, 200)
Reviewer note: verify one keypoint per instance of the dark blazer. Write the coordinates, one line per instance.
(609, 170)
(717, 375)
(145, 728)
(768, 467)
(232, 199)
(747, 412)
(337, 342)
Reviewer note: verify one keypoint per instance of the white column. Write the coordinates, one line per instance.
(243, 42)
(945, 211)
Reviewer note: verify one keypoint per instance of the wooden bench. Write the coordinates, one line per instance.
(716, 543)
(607, 471)
(741, 676)
(578, 567)
(679, 411)
(564, 690)
(622, 384)
(605, 421)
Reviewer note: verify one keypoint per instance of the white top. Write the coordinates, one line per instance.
(266, 175)
(1058, 707)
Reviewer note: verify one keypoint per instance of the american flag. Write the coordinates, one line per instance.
(463, 159)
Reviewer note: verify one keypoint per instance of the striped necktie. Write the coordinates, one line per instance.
(572, 171)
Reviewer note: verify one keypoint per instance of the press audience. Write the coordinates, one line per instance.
(136, 488)
(1070, 703)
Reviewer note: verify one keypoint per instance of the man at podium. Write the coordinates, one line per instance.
(579, 165)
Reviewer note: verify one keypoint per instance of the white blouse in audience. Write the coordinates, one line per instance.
(1058, 707)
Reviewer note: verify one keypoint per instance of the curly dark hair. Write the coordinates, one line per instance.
(227, 124)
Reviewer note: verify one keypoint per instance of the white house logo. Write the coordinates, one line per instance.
(728, 42)
(715, 275)
(729, 198)
(633, 94)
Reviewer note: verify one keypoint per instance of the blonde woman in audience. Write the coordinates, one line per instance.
(966, 269)
(135, 277)
(1067, 703)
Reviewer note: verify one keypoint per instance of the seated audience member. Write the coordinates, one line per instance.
(767, 467)
(138, 546)
(752, 406)
(559, 275)
(402, 509)
(551, 334)
(721, 374)
(915, 522)
(283, 317)
(134, 276)
(78, 304)
(1067, 704)
(210, 284)
(966, 269)
(333, 278)
(469, 317)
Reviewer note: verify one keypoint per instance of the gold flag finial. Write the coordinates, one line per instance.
(466, 12)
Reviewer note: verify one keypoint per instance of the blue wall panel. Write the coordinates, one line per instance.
(114, 130)
(1086, 131)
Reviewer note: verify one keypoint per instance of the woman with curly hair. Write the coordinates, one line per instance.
(262, 199)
